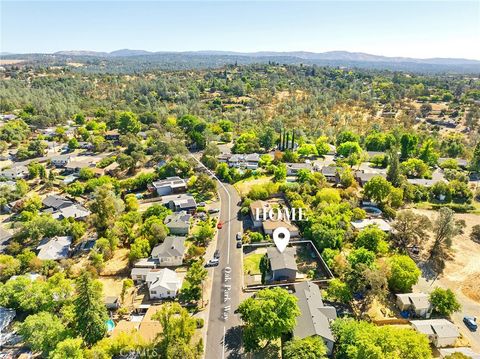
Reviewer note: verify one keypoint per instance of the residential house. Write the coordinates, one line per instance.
(112, 169)
(151, 263)
(224, 157)
(379, 222)
(258, 206)
(163, 283)
(170, 252)
(417, 302)
(55, 248)
(76, 211)
(170, 185)
(282, 264)
(178, 223)
(293, 168)
(139, 274)
(249, 161)
(315, 317)
(5, 237)
(112, 302)
(425, 182)
(372, 154)
(60, 161)
(112, 135)
(330, 173)
(440, 332)
(77, 163)
(467, 352)
(8, 185)
(180, 202)
(7, 316)
(269, 226)
(15, 172)
(56, 202)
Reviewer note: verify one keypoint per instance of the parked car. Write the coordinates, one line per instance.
(212, 263)
(214, 210)
(216, 254)
(471, 323)
(239, 244)
(219, 225)
(239, 236)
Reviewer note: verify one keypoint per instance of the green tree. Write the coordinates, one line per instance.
(415, 168)
(408, 144)
(139, 249)
(373, 239)
(178, 328)
(105, 207)
(444, 301)
(70, 348)
(42, 332)
(267, 138)
(306, 348)
(73, 144)
(361, 256)
(445, 228)
(475, 162)
(322, 145)
(339, 291)
(9, 266)
(280, 173)
(346, 136)
(360, 340)
(404, 273)
(128, 123)
(192, 286)
(377, 189)
(410, 229)
(347, 149)
(268, 316)
(90, 312)
(393, 171)
(427, 153)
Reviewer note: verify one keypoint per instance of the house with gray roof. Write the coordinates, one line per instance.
(55, 248)
(74, 211)
(315, 317)
(180, 202)
(56, 202)
(283, 265)
(440, 332)
(15, 172)
(178, 223)
(417, 302)
(170, 252)
(293, 168)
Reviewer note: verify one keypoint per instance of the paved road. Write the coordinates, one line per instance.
(223, 334)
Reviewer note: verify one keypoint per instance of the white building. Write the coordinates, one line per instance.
(170, 252)
(163, 283)
(15, 172)
(418, 302)
(440, 332)
(170, 185)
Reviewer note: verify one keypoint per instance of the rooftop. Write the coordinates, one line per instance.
(315, 316)
(441, 327)
(284, 260)
(172, 246)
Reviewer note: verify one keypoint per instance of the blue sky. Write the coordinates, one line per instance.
(391, 28)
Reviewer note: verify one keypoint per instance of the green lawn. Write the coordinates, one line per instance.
(251, 264)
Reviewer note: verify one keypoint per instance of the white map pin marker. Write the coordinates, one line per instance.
(281, 237)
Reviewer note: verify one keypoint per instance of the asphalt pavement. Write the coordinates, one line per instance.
(224, 332)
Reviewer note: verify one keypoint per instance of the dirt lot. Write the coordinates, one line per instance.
(118, 265)
(464, 268)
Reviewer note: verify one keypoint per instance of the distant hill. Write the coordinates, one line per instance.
(125, 60)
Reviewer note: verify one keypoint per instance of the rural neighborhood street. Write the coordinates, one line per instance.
(223, 333)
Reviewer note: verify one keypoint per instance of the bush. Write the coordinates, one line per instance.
(444, 301)
(200, 323)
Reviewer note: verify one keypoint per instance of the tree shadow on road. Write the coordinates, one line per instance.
(233, 342)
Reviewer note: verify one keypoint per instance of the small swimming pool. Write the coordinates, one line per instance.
(110, 325)
(372, 211)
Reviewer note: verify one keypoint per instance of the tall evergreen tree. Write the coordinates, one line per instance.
(393, 173)
(287, 145)
(293, 140)
(475, 164)
(90, 312)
